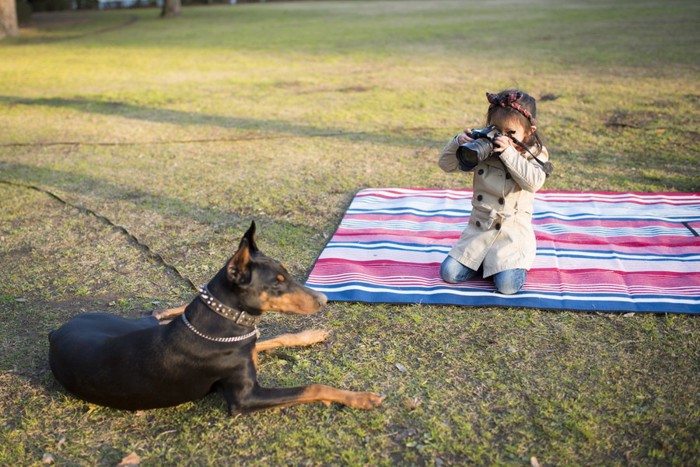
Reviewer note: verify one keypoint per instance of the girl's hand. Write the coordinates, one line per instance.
(464, 137)
(501, 143)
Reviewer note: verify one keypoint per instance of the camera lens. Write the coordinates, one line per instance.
(475, 151)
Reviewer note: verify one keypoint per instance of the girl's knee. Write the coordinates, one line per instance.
(447, 273)
(454, 272)
(507, 289)
(510, 281)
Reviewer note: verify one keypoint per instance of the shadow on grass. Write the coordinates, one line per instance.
(44, 180)
(85, 185)
(178, 117)
(27, 324)
(44, 21)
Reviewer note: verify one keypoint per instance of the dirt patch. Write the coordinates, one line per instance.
(355, 89)
(631, 119)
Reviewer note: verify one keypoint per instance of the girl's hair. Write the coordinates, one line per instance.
(519, 106)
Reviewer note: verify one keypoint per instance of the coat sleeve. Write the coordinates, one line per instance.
(525, 170)
(449, 162)
(448, 158)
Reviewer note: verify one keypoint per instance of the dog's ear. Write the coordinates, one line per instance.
(237, 269)
(250, 236)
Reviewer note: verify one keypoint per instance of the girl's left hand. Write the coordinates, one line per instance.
(501, 143)
(464, 137)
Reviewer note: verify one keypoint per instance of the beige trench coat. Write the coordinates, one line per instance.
(499, 235)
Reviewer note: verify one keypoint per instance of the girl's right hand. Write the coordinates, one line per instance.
(465, 136)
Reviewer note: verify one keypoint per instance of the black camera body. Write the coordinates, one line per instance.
(473, 152)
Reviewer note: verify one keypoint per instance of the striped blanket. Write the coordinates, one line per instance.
(628, 252)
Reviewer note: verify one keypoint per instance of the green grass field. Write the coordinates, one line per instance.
(183, 131)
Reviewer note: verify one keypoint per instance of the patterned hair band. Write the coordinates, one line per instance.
(510, 100)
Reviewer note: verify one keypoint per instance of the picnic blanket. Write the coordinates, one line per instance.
(627, 252)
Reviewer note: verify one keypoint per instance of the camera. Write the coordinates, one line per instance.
(473, 152)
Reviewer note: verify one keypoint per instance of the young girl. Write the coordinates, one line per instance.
(499, 237)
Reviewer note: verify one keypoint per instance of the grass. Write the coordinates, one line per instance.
(184, 130)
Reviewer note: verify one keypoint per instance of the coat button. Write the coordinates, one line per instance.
(507, 176)
(501, 200)
(478, 223)
(481, 171)
(498, 226)
(479, 198)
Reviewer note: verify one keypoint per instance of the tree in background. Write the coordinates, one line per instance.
(170, 8)
(8, 18)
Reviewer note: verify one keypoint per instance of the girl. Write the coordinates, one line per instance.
(499, 237)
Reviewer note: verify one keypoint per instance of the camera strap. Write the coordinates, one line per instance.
(546, 166)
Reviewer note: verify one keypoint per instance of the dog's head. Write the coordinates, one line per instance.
(263, 284)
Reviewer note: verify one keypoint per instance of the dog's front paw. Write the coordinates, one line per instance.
(366, 401)
(314, 336)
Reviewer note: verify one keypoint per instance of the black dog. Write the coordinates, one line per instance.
(136, 364)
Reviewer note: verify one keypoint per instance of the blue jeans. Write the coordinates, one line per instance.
(507, 282)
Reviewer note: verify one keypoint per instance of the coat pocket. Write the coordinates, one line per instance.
(482, 217)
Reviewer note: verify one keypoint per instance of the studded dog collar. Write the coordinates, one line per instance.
(237, 316)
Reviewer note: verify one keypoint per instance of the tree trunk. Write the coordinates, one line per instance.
(170, 8)
(8, 18)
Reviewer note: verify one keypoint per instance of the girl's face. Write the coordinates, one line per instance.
(513, 127)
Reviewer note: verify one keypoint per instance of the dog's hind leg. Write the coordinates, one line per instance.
(170, 313)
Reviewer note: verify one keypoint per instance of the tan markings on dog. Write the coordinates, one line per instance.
(255, 358)
(170, 313)
(300, 339)
(328, 395)
(298, 302)
(280, 278)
